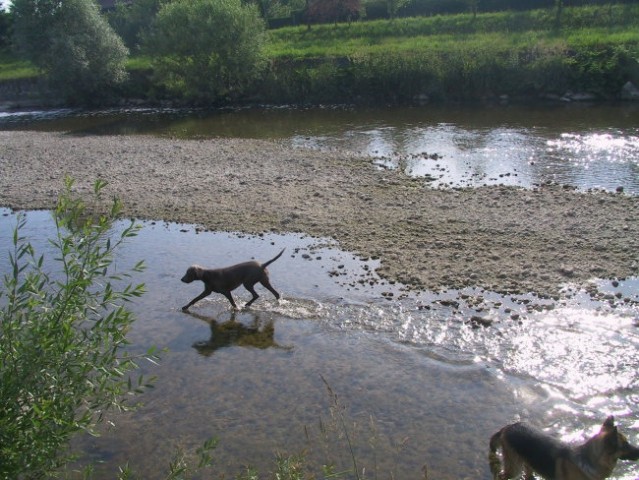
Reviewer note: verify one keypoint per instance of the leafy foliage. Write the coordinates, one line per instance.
(62, 358)
(208, 50)
(5, 29)
(333, 10)
(81, 55)
(395, 6)
(132, 21)
(271, 9)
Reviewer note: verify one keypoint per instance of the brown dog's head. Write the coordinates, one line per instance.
(192, 273)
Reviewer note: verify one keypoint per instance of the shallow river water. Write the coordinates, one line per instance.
(586, 146)
(422, 379)
(418, 382)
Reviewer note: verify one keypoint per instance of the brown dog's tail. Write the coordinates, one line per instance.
(264, 265)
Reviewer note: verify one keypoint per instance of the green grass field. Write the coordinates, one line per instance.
(12, 68)
(459, 57)
(610, 23)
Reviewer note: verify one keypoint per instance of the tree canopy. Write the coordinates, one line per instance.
(208, 50)
(132, 21)
(333, 10)
(74, 46)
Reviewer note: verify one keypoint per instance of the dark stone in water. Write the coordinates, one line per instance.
(477, 322)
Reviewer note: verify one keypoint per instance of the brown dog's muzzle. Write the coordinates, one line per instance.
(189, 276)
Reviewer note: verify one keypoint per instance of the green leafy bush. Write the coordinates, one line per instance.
(63, 331)
(208, 50)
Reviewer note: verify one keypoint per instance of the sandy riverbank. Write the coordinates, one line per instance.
(500, 238)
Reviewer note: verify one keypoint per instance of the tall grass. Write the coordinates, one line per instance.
(326, 40)
(457, 57)
(12, 68)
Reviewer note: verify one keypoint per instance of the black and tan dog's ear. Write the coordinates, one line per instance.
(609, 423)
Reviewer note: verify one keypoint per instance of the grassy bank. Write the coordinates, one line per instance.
(12, 68)
(459, 57)
(592, 49)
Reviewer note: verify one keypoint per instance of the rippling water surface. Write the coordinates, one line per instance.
(585, 146)
(423, 378)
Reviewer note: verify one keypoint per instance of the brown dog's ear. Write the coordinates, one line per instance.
(197, 272)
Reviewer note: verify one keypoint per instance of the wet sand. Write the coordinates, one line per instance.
(504, 239)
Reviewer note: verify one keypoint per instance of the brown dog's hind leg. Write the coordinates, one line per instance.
(268, 285)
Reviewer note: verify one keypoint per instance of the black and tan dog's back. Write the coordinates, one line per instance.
(225, 280)
(525, 448)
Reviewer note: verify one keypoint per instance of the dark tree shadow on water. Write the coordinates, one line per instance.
(231, 333)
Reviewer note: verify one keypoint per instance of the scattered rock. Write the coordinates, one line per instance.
(478, 322)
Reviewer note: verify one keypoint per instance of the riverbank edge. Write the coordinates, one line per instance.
(32, 93)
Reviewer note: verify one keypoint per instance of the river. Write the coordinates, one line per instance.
(587, 146)
(418, 382)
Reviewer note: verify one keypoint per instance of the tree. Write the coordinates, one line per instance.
(5, 29)
(321, 11)
(473, 5)
(271, 9)
(63, 324)
(208, 50)
(394, 6)
(76, 49)
(559, 8)
(132, 21)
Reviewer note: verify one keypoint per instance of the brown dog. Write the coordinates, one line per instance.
(225, 280)
(531, 450)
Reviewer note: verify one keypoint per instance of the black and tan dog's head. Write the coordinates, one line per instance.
(617, 442)
(194, 272)
(609, 445)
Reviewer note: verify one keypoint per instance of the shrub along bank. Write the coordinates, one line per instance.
(475, 67)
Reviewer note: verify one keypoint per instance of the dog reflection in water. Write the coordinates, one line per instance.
(232, 333)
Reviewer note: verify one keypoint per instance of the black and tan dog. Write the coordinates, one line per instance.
(225, 280)
(527, 449)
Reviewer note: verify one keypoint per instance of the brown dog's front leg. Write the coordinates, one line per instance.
(230, 297)
(205, 293)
